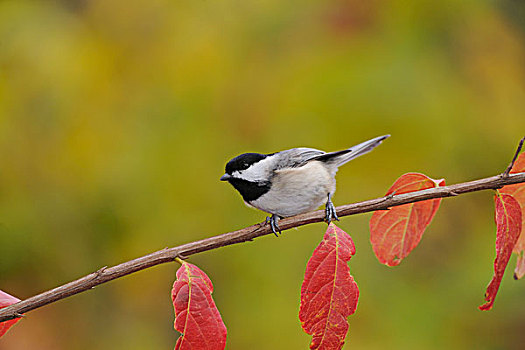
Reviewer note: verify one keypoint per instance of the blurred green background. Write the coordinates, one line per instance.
(117, 117)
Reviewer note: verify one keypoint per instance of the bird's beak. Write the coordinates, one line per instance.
(225, 177)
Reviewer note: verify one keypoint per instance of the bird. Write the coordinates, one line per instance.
(293, 181)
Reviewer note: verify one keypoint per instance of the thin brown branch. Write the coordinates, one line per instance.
(518, 150)
(106, 274)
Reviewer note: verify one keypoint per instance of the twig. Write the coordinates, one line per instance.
(165, 255)
(509, 168)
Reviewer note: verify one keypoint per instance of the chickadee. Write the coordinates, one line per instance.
(293, 181)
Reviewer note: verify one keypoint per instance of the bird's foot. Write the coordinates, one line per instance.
(329, 210)
(273, 220)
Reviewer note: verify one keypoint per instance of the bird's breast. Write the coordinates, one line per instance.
(297, 190)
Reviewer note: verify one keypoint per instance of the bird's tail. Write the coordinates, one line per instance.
(339, 158)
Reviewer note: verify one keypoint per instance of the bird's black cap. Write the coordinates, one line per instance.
(244, 161)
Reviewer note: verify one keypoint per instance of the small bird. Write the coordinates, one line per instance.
(293, 181)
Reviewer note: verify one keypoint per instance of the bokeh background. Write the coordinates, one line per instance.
(117, 117)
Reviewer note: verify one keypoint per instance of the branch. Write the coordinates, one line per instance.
(107, 274)
(509, 168)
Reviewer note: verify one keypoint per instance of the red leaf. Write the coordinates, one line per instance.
(196, 315)
(6, 300)
(395, 232)
(508, 227)
(518, 192)
(329, 293)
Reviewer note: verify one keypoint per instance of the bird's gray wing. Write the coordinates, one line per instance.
(297, 157)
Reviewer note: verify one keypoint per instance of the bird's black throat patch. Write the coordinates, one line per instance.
(250, 191)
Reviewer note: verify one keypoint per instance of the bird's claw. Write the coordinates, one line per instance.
(273, 220)
(330, 213)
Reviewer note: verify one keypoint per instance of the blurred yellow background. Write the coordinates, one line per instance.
(117, 118)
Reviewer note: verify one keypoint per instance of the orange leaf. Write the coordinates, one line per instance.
(6, 300)
(196, 315)
(329, 293)
(395, 232)
(508, 227)
(518, 192)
